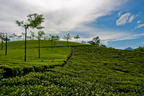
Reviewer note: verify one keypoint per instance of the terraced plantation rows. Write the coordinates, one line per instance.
(13, 64)
(92, 71)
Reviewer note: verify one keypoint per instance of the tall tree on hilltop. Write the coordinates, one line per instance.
(95, 41)
(53, 38)
(56, 38)
(35, 23)
(40, 34)
(6, 38)
(32, 35)
(76, 37)
(2, 39)
(67, 37)
(25, 25)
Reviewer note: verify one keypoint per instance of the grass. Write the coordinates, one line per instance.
(16, 52)
(92, 71)
(50, 56)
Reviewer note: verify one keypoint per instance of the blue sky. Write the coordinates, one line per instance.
(118, 23)
(135, 7)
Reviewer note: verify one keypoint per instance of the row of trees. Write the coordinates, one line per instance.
(4, 37)
(33, 22)
(52, 38)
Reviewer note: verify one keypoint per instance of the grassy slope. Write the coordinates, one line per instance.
(48, 54)
(91, 71)
(14, 61)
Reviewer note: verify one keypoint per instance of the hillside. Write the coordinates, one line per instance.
(92, 71)
(51, 55)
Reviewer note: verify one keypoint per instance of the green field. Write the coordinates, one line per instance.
(14, 63)
(92, 71)
(48, 54)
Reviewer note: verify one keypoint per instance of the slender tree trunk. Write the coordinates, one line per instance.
(67, 43)
(6, 46)
(51, 43)
(39, 47)
(25, 59)
(54, 43)
(2, 45)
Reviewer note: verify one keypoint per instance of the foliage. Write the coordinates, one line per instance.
(76, 37)
(53, 38)
(67, 37)
(33, 21)
(36, 20)
(92, 71)
(95, 41)
(32, 35)
(140, 49)
(40, 34)
(14, 63)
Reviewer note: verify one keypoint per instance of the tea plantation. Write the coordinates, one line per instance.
(51, 55)
(91, 71)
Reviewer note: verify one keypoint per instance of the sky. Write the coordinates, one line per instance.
(118, 23)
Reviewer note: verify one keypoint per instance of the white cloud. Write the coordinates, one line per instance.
(124, 19)
(66, 16)
(60, 15)
(131, 19)
(106, 36)
(140, 26)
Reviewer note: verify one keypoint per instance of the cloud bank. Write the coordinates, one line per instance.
(107, 36)
(61, 15)
(65, 16)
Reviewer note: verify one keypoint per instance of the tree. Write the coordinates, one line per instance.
(76, 37)
(2, 40)
(95, 41)
(35, 23)
(32, 35)
(30, 22)
(20, 36)
(13, 35)
(83, 42)
(67, 37)
(6, 38)
(140, 48)
(36, 20)
(25, 25)
(53, 38)
(46, 37)
(40, 34)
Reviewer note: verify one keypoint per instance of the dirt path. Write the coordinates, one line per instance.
(66, 61)
(71, 55)
(45, 68)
